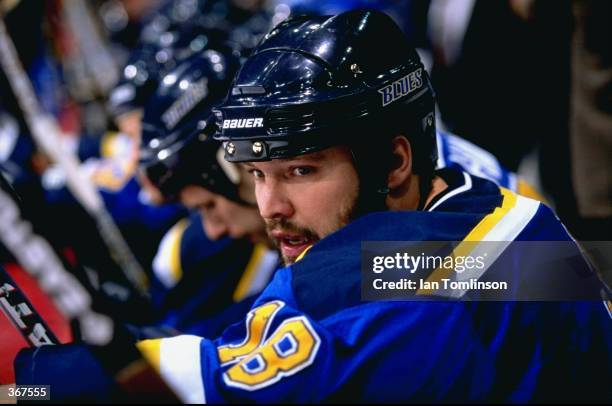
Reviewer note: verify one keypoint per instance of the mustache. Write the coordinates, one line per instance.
(289, 227)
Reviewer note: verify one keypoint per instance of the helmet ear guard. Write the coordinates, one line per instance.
(229, 169)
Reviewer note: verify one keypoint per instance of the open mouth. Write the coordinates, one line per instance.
(292, 245)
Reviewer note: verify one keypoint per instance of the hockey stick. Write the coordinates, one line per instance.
(45, 132)
(113, 347)
(38, 258)
(19, 310)
(95, 54)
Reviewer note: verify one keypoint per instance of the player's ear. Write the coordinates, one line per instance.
(401, 167)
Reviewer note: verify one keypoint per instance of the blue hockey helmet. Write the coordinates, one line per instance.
(177, 147)
(316, 82)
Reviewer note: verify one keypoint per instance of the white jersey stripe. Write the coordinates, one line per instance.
(504, 232)
(466, 186)
(180, 367)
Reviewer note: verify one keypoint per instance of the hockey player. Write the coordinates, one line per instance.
(335, 127)
(221, 255)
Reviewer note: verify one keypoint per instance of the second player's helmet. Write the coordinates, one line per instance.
(177, 147)
(154, 58)
(352, 79)
(138, 81)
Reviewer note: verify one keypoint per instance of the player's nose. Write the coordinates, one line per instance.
(273, 201)
(214, 229)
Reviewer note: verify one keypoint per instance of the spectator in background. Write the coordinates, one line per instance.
(512, 58)
(591, 117)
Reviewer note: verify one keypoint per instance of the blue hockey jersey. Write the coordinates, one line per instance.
(196, 278)
(310, 338)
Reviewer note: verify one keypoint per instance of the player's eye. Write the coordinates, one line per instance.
(256, 173)
(302, 170)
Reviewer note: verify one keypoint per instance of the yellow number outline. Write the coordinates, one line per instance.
(232, 353)
(238, 376)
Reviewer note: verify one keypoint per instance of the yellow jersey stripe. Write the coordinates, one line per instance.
(107, 145)
(150, 350)
(250, 271)
(491, 220)
(176, 269)
(167, 262)
(526, 189)
(299, 258)
(475, 235)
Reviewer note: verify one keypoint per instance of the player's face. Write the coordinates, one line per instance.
(304, 199)
(220, 216)
(130, 123)
(154, 194)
